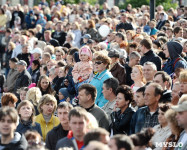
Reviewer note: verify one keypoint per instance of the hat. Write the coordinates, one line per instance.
(113, 53)
(64, 92)
(182, 104)
(87, 36)
(21, 62)
(90, 41)
(36, 50)
(85, 50)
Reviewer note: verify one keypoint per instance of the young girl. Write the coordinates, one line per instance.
(83, 69)
(63, 95)
(22, 93)
(137, 77)
(26, 112)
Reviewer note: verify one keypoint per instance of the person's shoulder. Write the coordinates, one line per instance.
(62, 142)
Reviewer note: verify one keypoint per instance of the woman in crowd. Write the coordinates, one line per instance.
(76, 31)
(26, 113)
(137, 77)
(46, 107)
(3, 19)
(101, 65)
(45, 86)
(162, 131)
(9, 99)
(183, 81)
(121, 119)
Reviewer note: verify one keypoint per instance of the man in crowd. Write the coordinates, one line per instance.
(124, 24)
(149, 70)
(87, 96)
(49, 39)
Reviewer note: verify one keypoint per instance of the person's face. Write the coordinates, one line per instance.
(135, 61)
(58, 56)
(83, 98)
(60, 96)
(118, 39)
(78, 126)
(158, 79)
(148, 72)
(49, 65)
(23, 95)
(166, 52)
(44, 84)
(59, 27)
(47, 36)
(12, 65)
(7, 126)
(36, 56)
(61, 73)
(120, 101)
(180, 34)
(129, 36)
(25, 112)
(175, 91)
(33, 66)
(84, 57)
(181, 119)
(20, 68)
(23, 40)
(151, 25)
(149, 96)
(99, 66)
(106, 92)
(85, 40)
(63, 115)
(69, 59)
(112, 145)
(183, 86)
(123, 18)
(161, 118)
(48, 108)
(135, 75)
(139, 98)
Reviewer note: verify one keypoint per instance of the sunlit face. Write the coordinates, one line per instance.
(23, 95)
(48, 108)
(136, 75)
(63, 115)
(175, 91)
(99, 66)
(181, 119)
(106, 92)
(148, 72)
(179, 34)
(139, 98)
(84, 57)
(44, 84)
(58, 56)
(149, 96)
(183, 86)
(83, 98)
(158, 79)
(12, 64)
(61, 72)
(25, 112)
(161, 118)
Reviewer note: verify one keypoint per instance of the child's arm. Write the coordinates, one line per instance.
(87, 70)
(75, 73)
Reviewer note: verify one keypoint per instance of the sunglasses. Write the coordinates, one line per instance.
(98, 62)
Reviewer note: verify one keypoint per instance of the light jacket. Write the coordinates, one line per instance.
(3, 19)
(97, 81)
(53, 122)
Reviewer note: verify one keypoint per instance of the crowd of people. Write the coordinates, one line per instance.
(78, 76)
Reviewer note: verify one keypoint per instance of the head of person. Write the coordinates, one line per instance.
(96, 145)
(181, 109)
(139, 97)
(35, 65)
(183, 82)
(161, 78)
(169, 32)
(119, 37)
(97, 134)
(87, 95)
(11, 46)
(22, 93)
(124, 97)
(109, 87)
(63, 94)
(59, 26)
(44, 84)
(43, 70)
(145, 45)
(149, 70)
(121, 142)
(34, 94)
(161, 114)
(46, 57)
(47, 105)
(61, 72)
(51, 63)
(114, 56)
(170, 116)
(86, 37)
(9, 99)
(12, 63)
(8, 121)
(152, 94)
(36, 53)
(63, 110)
(25, 48)
(59, 54)
(21, 66)
(123, 17)
(134, 58)
(137, 74)
(85, 54)
(47, 35)
(78, 122)
(23, 40)
(178, 32)
(175, 93)
(26, 111)
(101, 62)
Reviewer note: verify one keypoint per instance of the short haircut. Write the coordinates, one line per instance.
(95, 135)
(147, 43)
(176, 30)
(126, 91)
(151, 64)
(123, 141)
(79, 112)
(141, 90)
(120, 35)
(8, 97)
(64, 105)
(36, 62)
(164, 75)
(158, 88)
(9, 111)
(105, 59)
(134, 55)
(89, 89)
(14, 60)
(111, 83)
(183, 76)
(164, 107)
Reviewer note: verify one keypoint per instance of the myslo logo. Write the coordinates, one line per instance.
(169, 144)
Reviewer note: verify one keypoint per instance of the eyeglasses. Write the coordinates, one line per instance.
(98, 62)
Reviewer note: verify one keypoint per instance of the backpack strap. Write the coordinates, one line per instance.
(176, 60)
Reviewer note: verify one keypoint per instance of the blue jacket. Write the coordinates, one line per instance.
(97, 81)
(22, 128)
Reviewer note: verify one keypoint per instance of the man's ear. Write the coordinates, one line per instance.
(158, 98)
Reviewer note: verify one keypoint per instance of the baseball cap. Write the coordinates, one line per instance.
(113, 53)
(182, 104)
(36, 50)
(21, 62)
(87, 36)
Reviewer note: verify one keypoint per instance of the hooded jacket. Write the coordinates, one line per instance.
(18, 143)
(175, 60)
(41, 20)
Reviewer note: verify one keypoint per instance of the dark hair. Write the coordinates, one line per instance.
(61, 63)
(142, 138)
(126, 91)
(123, 141)
(147, 43)
(2, 10)
(78, 112)
(176, 30)
(164, 107)
(72, 51)
(64, 105)
(158, 89)
(165, 76)
(133, 45)
(9, 111)
(141, 90)
(120, 35)
(8, 97)
(112, 83)
(14, 60)
(89, 89)
(36, 62)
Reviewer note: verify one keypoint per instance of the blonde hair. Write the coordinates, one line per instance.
(12, 44)
(92, 123)
(34, 94)
(140, 68)
(45, 99)
(183, 76)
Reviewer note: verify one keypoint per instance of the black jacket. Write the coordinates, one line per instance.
(166, 97)
(152, 57)
(24, 80)
(54, 135)
(129, 81)
(59, 36)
